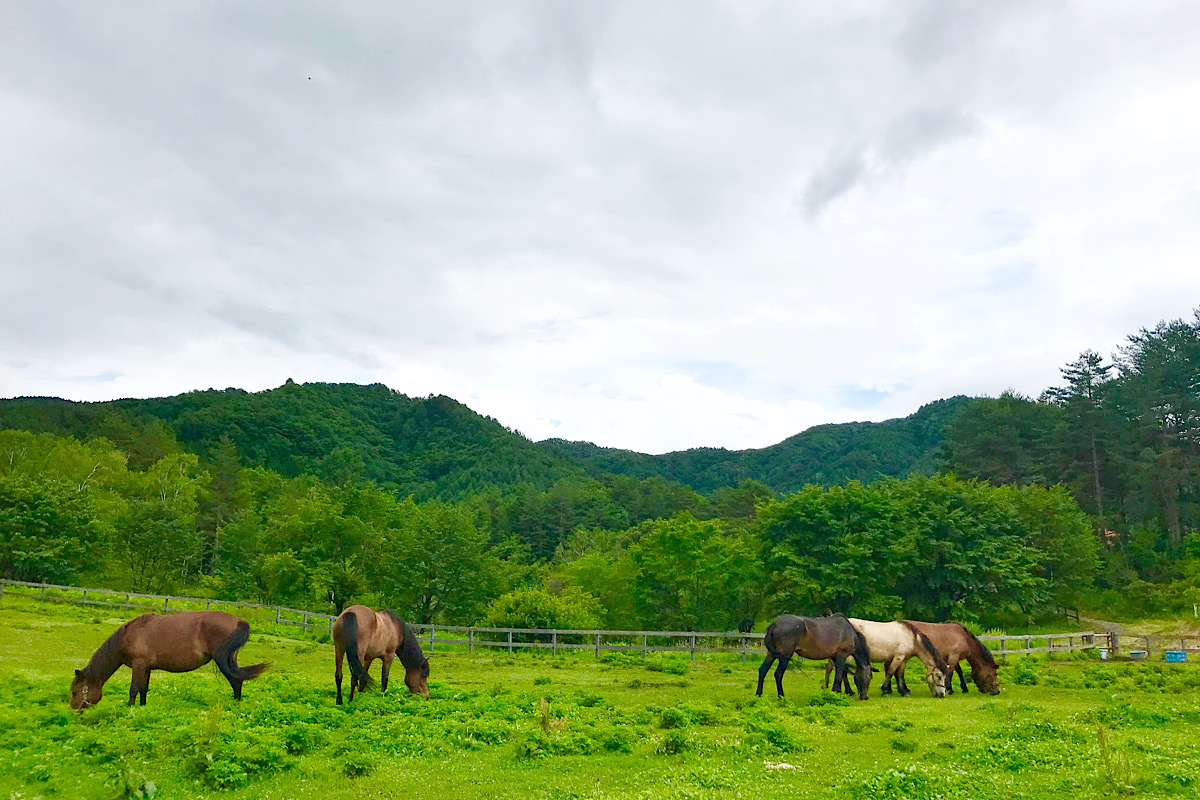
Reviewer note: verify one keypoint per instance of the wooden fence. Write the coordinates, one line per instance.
(512, 639)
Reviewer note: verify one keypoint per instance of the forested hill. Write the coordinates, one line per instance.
(437, 447)
(430, 447)
(825, 454)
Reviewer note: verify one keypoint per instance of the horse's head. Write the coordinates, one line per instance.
(417, 679)
(936, 679)
(985, 676)
(85, 691)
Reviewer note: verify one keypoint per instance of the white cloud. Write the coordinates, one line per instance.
(652, 227)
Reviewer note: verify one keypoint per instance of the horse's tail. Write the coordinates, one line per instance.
(986, 654)
(350, 644)
(226, 655)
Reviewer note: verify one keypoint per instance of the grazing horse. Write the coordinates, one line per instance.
(956, 643)
(893, 644)
(364, 635)
(179, 643)
(817, 638)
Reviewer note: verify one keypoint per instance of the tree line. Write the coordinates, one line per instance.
(1123, 435)
(620, 553)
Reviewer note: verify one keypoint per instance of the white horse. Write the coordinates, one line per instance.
(893, 644)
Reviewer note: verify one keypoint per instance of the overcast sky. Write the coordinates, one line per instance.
(647, 225)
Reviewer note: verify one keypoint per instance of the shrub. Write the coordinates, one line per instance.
(538, 608)
(674, 742)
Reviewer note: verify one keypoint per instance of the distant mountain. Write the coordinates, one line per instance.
(825, 454)
(437, 447)
(431, 447)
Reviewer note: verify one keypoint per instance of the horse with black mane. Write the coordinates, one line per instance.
(957, 644)
(181, 642)
(817, 638)
(363, 635)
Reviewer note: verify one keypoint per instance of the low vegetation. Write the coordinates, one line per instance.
(535, 725)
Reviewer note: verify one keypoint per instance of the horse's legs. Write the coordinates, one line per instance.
(896, 667)
(949, 680)
(140, 683)
(839, 674)
(828, 669)
(387, 666)
(781, 668)
(762, 672)
(961, 679)
(888, 672)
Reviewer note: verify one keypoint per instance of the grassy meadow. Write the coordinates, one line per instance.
(571, 726)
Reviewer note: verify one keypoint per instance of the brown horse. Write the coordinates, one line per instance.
(956, 644)
(179, 643)
(817, 638)
(364, 635)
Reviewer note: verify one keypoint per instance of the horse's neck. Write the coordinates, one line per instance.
(106, 660)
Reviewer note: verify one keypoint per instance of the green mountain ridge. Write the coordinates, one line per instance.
(438, 447)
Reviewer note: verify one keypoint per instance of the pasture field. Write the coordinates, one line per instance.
(571, 726)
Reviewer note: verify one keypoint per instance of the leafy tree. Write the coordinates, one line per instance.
(1002, 440)
(45, 530)
(1087, 434)
(156, 538)
(693, 574)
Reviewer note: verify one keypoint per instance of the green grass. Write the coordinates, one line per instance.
(535, 725)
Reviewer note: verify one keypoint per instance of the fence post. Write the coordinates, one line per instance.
(743, 638)
(692, 646)
(166, 604)
(207, 603)
(470, 640)
(597, 645)
(126, 598)
(554, 643)
(306, 622)
(431, 627)
(643, 647)
(44, 593)
(276, 615)
(510, 643)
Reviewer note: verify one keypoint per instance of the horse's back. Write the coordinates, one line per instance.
(885, 640)
(948, 637)
(179, 642)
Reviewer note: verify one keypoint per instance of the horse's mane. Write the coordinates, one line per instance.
(984, 653)
(107, 657)
(938, 659)
(410, 648)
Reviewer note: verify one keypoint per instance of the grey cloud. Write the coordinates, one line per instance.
(833, 179)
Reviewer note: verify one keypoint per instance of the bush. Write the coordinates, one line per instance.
(674, 742)
(538, 608)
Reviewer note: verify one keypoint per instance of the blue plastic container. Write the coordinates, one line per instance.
(1176, 656)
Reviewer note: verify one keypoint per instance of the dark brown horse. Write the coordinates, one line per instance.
(179, 643)
(957, 644)
(817, 638)
(363, 635)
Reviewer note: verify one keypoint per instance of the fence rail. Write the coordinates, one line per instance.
(512, 639)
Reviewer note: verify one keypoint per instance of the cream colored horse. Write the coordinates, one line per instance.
(893, 644)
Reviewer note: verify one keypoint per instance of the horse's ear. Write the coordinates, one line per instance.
(78, 673)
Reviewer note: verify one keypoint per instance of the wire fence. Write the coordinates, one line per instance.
(468, 638)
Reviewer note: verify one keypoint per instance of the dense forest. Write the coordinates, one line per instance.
(986, 509)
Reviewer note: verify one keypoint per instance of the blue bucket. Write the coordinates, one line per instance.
(1176, 656)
